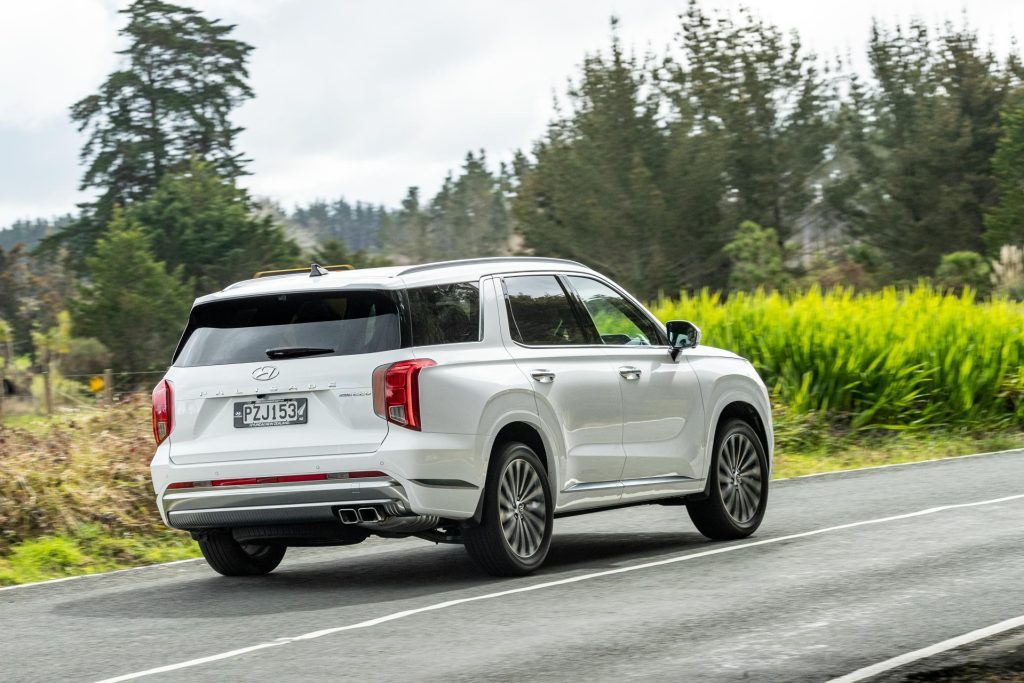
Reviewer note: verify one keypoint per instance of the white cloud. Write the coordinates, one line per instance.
(367, 98)
(52, 53)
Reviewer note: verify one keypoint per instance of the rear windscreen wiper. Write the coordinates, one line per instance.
(296, 351)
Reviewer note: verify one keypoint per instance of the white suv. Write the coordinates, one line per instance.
(467, 402)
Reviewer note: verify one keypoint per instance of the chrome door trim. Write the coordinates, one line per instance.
(644, 481)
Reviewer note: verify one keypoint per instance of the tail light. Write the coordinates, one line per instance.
(163, 411)
(396, 392)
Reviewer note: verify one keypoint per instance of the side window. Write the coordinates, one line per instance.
(539, 312)
(618, 321)
(445, 314)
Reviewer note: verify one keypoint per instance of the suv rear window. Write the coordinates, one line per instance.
(445, 314)
(308, 324)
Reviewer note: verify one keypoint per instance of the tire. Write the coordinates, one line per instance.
(738, 474)
(229, 557)
(518, 492)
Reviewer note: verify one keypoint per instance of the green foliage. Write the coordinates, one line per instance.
(757, 258)
(919, 141)
(1005, 221)
(334, 253)
(898, 359)
(356, 226)
(88, 550)
(764, 98)
(964, 270)
(596, 187)
(654, 166)
(467, 218)
(86, 356)
(203, 223)
(181, 77)
(130, 302)
(29, 233)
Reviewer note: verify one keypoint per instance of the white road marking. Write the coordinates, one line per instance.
(1019, 451)
(774, 481)
(931, 650)
(547, 584)
(87, 576)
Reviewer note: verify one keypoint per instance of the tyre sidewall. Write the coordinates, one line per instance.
(492, 517)
(715, 492)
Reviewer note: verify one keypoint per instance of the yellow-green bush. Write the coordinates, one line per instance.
(899, 359)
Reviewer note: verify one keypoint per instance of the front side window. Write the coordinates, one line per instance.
(280, 326)
(539, 312)
(445, 314)
(618, 321)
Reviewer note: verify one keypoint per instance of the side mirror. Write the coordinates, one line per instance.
(682, 334)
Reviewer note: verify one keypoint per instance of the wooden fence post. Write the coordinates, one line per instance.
(108, 387)
(47, 386)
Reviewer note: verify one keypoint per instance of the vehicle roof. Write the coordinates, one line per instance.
(395, 277)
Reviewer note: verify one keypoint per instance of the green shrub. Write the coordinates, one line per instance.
(895, 359)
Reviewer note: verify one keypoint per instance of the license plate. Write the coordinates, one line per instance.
(289, 411)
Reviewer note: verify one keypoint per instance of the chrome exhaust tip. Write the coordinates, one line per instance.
(370, 515)
(348, 516)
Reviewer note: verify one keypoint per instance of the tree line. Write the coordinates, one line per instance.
(735, 158)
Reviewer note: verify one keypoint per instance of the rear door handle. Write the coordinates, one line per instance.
(629, 372)
(543, 376)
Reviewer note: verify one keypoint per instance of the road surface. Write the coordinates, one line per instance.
(848, 570)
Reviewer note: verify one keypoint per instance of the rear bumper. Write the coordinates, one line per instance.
(288, 504)
(427, 474)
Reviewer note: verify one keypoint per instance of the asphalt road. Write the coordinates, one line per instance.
(847, 570)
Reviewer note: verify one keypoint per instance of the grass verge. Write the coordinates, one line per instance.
(75, 496)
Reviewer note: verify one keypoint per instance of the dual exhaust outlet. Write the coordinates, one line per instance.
(357, 515)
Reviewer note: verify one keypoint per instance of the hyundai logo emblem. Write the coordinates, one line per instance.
(264, 373)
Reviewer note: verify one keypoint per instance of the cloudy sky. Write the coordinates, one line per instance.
(363, 98)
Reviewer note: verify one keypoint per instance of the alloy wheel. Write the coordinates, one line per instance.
(521, 508)
(739, 477)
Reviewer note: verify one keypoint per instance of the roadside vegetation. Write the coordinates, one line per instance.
(857, 380)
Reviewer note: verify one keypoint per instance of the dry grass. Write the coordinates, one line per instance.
(88, 468)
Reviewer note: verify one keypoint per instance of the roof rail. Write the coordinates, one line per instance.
(313, 270)
(489, 259)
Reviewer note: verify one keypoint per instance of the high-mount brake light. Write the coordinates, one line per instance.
(163, 411)
(396, 392)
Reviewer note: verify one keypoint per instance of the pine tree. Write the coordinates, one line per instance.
(594, 190)
(131, 303)
(203, 223)
(182, 76)
(923, 178)
(1004, 223)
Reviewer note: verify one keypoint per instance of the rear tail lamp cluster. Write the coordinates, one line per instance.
(396, 392)
(163, 411)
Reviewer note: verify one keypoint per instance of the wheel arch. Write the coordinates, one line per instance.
(749, 404)
(527, 429)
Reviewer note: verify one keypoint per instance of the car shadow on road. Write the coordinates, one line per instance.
(370, 578)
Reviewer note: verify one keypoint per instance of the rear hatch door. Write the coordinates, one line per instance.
(280, 376)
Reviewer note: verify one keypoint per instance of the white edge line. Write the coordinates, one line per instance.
(547, 584)
(899, 464)
(89, 576)
(774, 481)
(931, 650)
